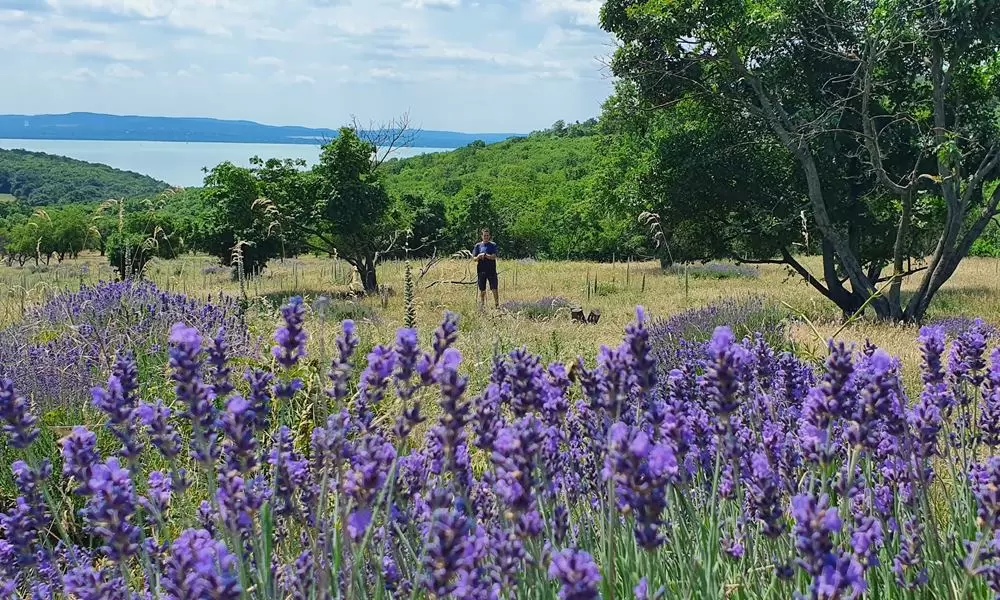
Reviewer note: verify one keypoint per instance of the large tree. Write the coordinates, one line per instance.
(888, 110)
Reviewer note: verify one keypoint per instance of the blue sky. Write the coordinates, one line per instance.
(467, 65)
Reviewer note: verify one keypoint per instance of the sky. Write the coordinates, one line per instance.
(509, 66)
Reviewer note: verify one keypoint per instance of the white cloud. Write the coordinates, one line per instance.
(267, 61)
(93, 49)
(581, 12)
(189, 71)
(433, 3)
(509, 65)
(81, 74)
(121, 71)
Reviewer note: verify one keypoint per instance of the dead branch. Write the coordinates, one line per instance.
(386, 136)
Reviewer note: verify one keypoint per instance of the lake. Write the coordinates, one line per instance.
(177, 163)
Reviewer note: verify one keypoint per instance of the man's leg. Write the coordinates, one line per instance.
(481, 282)
(496, 293)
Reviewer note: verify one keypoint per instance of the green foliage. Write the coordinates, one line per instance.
(340, 206)
(139, 232)
(867, 122)
(240, 210)
(537, 194)
(40, 179)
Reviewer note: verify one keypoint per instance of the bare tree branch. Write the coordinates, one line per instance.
(386, 136)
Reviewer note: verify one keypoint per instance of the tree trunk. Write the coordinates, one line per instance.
(366, 270)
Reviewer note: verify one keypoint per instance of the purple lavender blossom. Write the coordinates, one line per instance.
(199, 567)
(444, 548)
(119, 405)
(577, 575)
(989, 417)
(186, 372)
(156, 418)
(374, 380)
(259, 397)
(240, 446)
(218, 356)
(290, 472)
(722, 374)
(290, 339)
(79, 455)
(764, 494)
(112, 503)
(445, 335)
(347, 343)
(641, 471)
(19, 424)
(370, 464)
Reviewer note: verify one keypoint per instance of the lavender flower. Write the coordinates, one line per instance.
(19, 424)
(722, 374)
(161, 433)
(444, 548)
(79, 455)
(641, 471)
(369, 470)
(374, 380)
(218, 355)
(112, 503)
(240, 446)
(347, 343)
(199, 567)
(989, 418)
(290, 472)
(290, 339)
(576, 573)
(185, 363)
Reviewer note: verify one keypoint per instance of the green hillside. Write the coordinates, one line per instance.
(40, 179)
(539, 193)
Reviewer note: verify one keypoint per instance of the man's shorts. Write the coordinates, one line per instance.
(484, 277)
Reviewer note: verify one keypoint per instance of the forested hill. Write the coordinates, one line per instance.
(540, 195)
(40, 179)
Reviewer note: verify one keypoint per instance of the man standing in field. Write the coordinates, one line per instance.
(485, 253)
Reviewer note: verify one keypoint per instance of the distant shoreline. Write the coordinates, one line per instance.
(94, 127)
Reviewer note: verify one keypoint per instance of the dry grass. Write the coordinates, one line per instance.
(973, 291)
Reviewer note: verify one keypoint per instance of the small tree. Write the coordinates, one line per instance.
(341, 206)
(240, 213)
(142, 232)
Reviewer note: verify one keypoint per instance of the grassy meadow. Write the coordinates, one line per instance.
(974, 291)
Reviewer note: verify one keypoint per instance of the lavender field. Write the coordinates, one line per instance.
(161, 446)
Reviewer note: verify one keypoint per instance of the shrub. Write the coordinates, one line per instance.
(954, 326)
(543, 308)
(61, 349)
(715, 270)
(338, 310)
(743, 470)
(686, 332)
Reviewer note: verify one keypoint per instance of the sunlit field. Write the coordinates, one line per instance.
(620, 287)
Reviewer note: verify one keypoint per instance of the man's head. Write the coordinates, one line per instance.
(486, 234)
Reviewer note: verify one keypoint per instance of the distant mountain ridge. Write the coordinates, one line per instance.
(103, 127)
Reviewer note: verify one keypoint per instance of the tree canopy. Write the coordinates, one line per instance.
(888, 110)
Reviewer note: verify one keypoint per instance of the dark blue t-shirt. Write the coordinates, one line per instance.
(485, 264)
